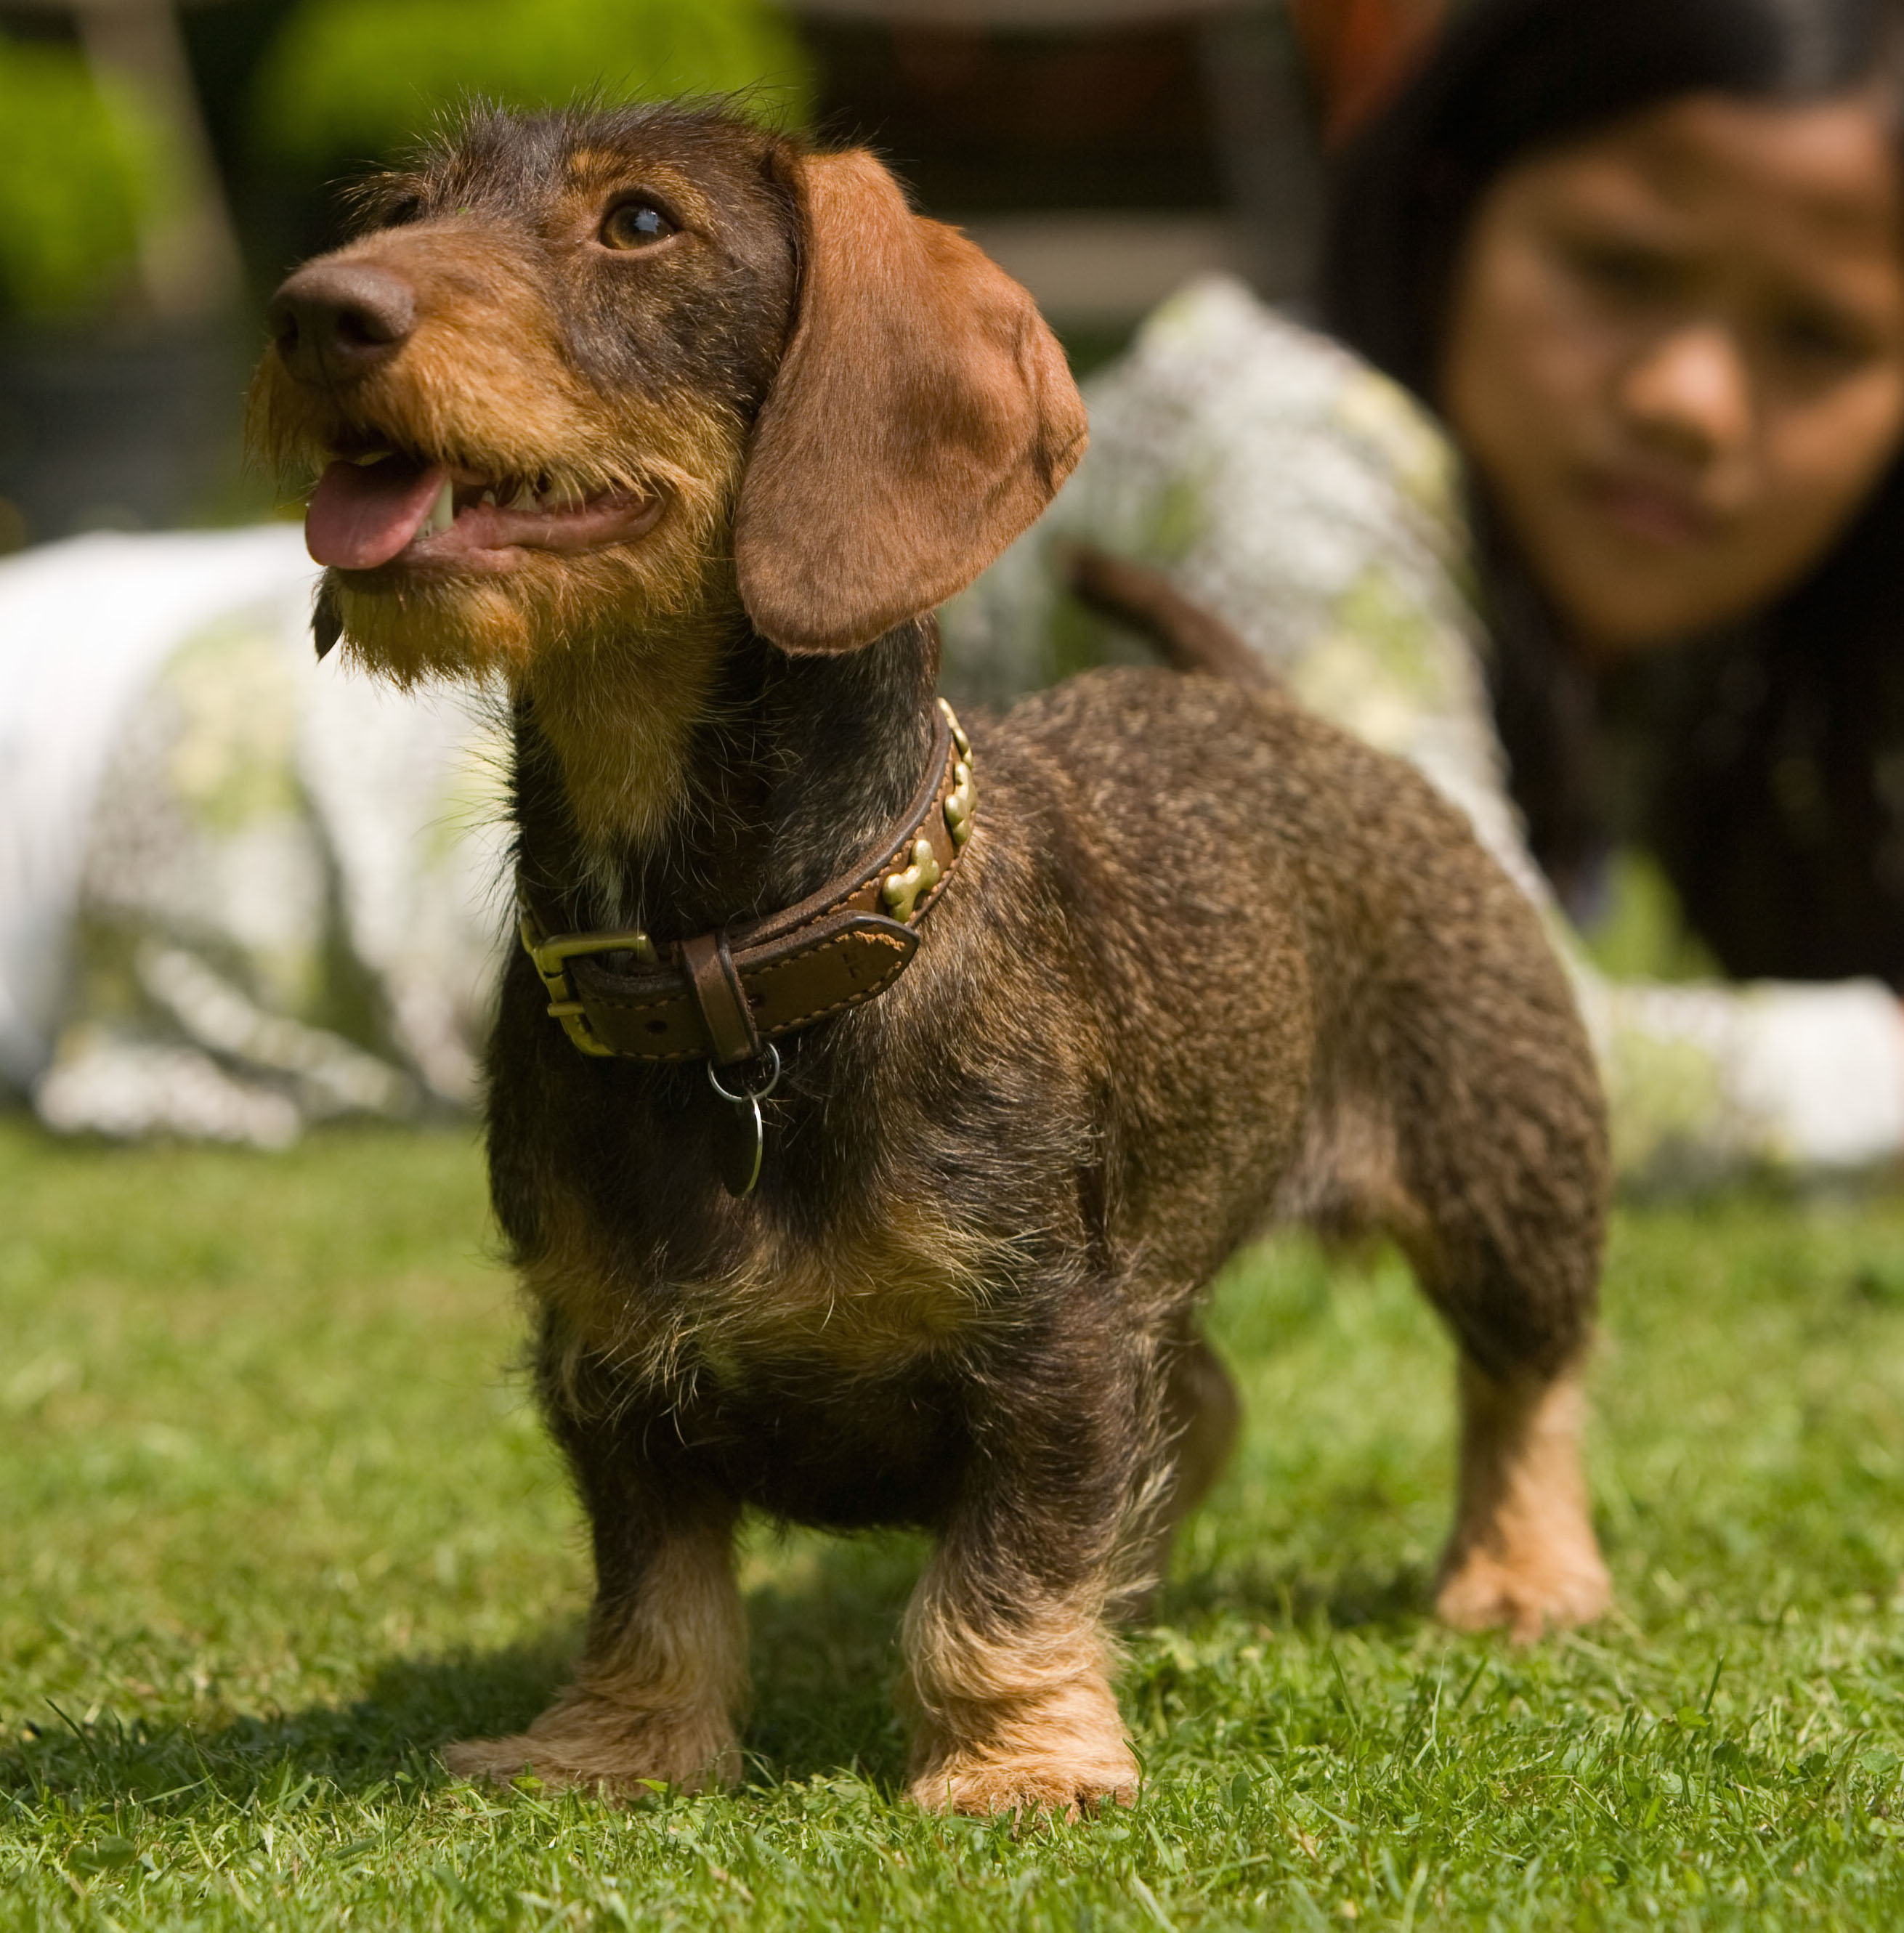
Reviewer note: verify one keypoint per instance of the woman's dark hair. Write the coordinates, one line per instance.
(1778, 808)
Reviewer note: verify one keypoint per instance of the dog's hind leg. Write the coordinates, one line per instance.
(664, 1668)
(1202, 1414)
(1501, 1144)
(1523, 1552)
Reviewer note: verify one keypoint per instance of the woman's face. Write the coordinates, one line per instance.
(1676, 356)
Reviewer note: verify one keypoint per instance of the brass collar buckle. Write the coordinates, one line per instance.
(550, 957)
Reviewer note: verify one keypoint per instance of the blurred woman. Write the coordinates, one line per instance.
(1646, 262)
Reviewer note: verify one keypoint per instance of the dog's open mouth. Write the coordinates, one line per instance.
(382, 509)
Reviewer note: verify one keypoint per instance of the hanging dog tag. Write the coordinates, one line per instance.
(739, 1134)
(738, 1142)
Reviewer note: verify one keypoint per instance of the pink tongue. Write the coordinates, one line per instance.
(362, 514)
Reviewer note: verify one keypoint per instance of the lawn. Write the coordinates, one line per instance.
(276, 1523)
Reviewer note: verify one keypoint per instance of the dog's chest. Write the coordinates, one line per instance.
(821, 1381)
(873, 1296)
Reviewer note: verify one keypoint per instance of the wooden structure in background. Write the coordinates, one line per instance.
(1104, 151)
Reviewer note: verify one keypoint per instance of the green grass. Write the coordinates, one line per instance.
(274, 1523)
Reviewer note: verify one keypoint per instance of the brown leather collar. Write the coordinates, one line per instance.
(720, 996)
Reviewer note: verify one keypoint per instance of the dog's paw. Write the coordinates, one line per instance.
(1056, 1748)
(1065, 1788)
(1528, 1592)
(595, 1745)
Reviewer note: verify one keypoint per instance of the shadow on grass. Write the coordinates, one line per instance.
(1290, 1597)
(825, 1661)
(410, 1708)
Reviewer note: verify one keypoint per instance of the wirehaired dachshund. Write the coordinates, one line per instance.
(869, 1105)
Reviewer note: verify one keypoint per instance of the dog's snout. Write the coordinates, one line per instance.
(335, 321)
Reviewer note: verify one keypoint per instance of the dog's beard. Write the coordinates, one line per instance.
(618, 650)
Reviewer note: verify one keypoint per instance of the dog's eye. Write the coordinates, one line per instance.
(636, 224)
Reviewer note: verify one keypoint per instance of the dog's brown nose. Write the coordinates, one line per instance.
(335, 321)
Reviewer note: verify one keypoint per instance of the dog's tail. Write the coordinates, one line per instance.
(1187, 637)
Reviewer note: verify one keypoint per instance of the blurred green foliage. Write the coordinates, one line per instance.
(1642, 933)
(348, 80)
(80, 167)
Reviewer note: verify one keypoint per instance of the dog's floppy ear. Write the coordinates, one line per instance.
(922, 416)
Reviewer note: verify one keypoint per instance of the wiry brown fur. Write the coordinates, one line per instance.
(1205, 961)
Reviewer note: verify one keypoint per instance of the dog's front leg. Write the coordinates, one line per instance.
(1008, 1660)
(664, 1668)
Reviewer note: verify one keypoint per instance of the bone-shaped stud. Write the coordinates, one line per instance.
(959, 802)
(903, 891)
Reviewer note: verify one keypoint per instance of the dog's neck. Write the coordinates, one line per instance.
(681, 789)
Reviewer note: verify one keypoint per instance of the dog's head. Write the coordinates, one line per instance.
(582, 372)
